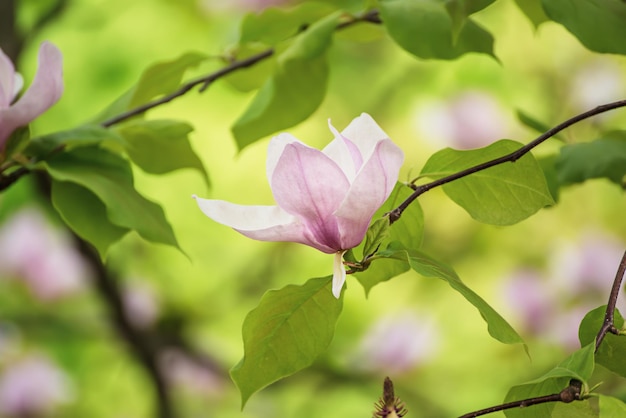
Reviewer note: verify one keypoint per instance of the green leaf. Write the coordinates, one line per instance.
(158, 79)
(611, 352)
(295, 90)
(611, 407)
(426, 30)
(16, 142)
(598, 24)
(397, 260)
(376, 234)
(273, 25)
(387, 265)
(252, 77)
(579, 365)
(289, 329)
(534, 123)
(109, 177)
(85, 135)
(161, 146)
(501, 195)
(460, 10)
(548, 165)
(86, 215)
(602, 158)
(533, 11)
(497, 326)
(409, 229)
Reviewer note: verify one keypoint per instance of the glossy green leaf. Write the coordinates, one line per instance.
(502, 195)
(409, 229)
(160, 146)
(296, 88)
(602, 158)
(109, 177)
(426, 30)
(376, 234)
(159, 79)
(548, 165)
(85, 213)
(611, 407)
(85, 135)
(273, 24)
(598, 24)
(533, 11)
(579, 365)
(611, 352)
(289, 329)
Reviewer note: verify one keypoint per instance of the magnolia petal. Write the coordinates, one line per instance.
(344, 152)
(275, 151)
(339, 274)
(263, 223)
(371, 187)
(365, 133)
(307, 183)
(7, 80)
(45, 91)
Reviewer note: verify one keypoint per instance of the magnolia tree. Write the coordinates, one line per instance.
(347, 200)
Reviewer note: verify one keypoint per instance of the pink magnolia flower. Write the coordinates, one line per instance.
(45, 91)
(326, 199)
(33, 387)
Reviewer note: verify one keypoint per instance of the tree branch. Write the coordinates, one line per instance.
(370, 16)
(570, 394)
(608, 325)
(395, 214)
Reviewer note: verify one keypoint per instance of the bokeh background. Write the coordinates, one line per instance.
(61, 357)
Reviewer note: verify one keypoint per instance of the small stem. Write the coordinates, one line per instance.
(370, 16)
(608, 325)
(569, 394)
(395, 214)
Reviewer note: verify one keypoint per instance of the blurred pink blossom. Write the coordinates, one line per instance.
(141, 303)
(182, 370)
(528, 296)
(599, 82)
(471, 119)
(552, 304)
(33, 387)
(397, 343)
(40, 255)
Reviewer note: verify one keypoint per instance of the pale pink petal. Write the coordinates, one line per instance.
(371, 187)
(275, 151)
(263, 223)
(7, 80)
(45, 91)
(309, 185)
(344, 152)
(339, 273)
(365, 133)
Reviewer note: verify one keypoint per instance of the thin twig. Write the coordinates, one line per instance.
(608, 325)
(395, 214)
(370, 16)
(569, 394)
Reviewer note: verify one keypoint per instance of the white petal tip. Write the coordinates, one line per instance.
(194, 196)
(339, 274)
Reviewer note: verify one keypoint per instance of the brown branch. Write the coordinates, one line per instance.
(370, 16)
(570, 394)
(608, 325)
(395, 214)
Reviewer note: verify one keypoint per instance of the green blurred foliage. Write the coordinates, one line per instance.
(206, 297)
